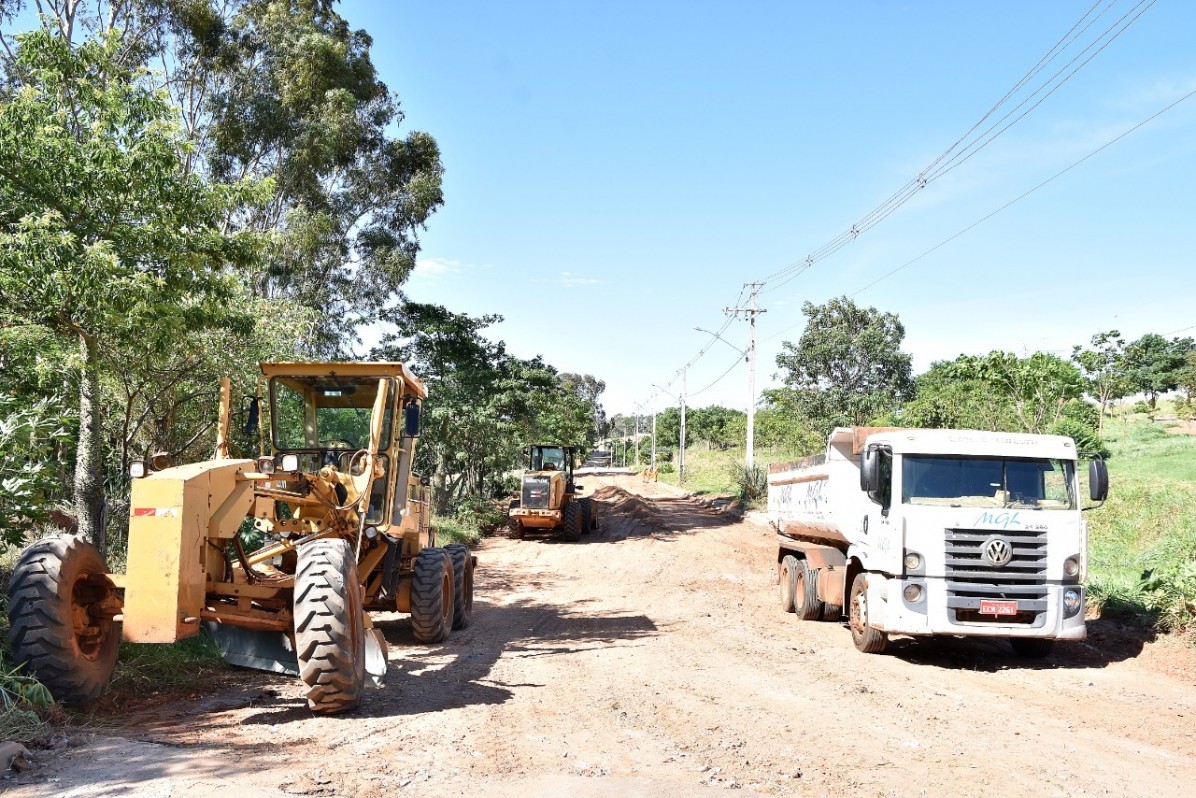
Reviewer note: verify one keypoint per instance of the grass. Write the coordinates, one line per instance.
(714, 472)
(154, 667)
(1142, 543)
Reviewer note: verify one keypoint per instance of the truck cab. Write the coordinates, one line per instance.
(946, 532)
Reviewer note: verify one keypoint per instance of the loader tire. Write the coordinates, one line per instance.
(432, 586)
(805, 593)
(571, 522)
(589, 520)
(329, 627)
(462, 584)
(514, 529)
(788, 582)
(58, 629)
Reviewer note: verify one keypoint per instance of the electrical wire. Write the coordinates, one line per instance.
(738, 360)
(956, 155)
(1011, 202)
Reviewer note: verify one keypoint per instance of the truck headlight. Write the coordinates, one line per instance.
(913, 561)
(1071, 567)
(912, 593)
(1071, 602)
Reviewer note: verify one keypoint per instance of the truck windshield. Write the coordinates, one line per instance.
(944, 481)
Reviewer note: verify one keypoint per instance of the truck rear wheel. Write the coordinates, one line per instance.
(462, 584)
(866, 638)
(805, 592)
(60, 606)
(329, 628)
(1032, 647)
(571, 522)
(788, 582)
(432, 596)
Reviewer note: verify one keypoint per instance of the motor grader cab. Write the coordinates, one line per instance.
(548, 499)
(344, 526)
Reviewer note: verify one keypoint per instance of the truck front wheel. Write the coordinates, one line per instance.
(866, 638)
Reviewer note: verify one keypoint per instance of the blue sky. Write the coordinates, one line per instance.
(616, 171)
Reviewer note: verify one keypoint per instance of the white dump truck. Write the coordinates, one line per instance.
(936, 532)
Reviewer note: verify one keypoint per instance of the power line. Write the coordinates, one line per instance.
(1014, 201)
(947, 162)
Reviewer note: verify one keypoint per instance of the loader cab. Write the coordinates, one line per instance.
(552, 459)
(324, 418)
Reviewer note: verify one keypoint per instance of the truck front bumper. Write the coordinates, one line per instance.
(934, 615)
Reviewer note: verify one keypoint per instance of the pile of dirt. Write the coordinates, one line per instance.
(638, 515)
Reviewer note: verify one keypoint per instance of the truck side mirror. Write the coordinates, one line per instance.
(870, 470)
(1098, 480)
(411, 420)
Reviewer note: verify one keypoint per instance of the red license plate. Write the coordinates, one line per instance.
(998, 607)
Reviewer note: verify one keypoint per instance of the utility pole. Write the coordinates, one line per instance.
(654, 437)
(681, 467)
(637, 437)
(751, 311)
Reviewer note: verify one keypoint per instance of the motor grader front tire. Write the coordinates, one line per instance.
(60, 608)
(462, 584)
(432, 586)
(329, 628)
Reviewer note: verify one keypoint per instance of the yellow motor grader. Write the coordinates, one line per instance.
(548, 499)
(345, 529)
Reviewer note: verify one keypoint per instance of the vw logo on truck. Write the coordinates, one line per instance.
(997, 551)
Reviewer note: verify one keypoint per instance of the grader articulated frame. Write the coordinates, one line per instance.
(345, 529)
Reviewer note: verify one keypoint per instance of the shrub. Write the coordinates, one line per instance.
(751, 483)
(1087, 441)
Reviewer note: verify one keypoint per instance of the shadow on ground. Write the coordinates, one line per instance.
(1108, 642)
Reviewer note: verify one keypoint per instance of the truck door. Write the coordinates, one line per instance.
(883, 531)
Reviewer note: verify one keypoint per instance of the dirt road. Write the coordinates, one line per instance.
(653, 659)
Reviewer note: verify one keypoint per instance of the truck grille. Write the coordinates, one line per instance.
(972, 575)
(536, 493)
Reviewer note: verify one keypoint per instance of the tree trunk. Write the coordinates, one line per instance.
(89, 457)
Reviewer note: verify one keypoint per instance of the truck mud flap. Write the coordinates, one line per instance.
(246, 648)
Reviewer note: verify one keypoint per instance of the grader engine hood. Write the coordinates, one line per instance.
(172, 514)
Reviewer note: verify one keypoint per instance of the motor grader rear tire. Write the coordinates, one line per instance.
(462, 584)
(571, 522)
(59, 630)
(432, 587)
(329, 628)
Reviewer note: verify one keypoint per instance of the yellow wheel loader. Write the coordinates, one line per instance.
(345, 529)
(548, 499)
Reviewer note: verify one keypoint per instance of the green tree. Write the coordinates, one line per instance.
(30, 436)
(484, 406)
(105, 239)
(283, 90)
(847, 368)
(1104, 370)
(589, 389)
(1153, 364)
(997, 391)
